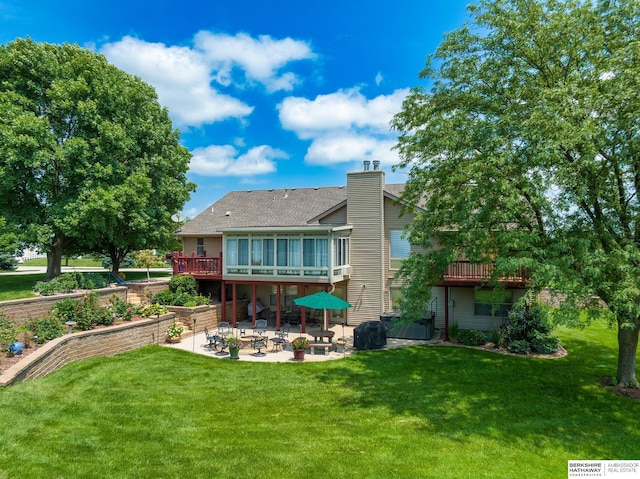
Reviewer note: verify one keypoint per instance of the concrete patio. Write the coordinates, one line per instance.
(197, 344)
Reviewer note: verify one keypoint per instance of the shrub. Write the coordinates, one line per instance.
(91, 281)
(523, 322)
(181, 298)
(183, 283)
(471, 337)
(65, 283)
(8, 332)
(453, 331)
(65, 310)
(152, 310)
(498, 337)
(164, 297)
(7, 262)
(46, 329)
(520, 346)
(545, 343)
(90, 313)
(122, 309)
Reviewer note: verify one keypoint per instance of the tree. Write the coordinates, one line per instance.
(89, 160)
(528, 145)
(146, 259)
(8, 247)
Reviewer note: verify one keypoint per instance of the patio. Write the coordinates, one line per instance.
(197, 344)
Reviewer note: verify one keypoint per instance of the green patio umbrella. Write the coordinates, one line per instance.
(322, 300)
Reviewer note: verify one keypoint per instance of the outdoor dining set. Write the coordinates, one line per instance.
(257, 337)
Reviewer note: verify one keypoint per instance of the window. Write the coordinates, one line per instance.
(491, 302)
(287, 295)
(288, 252)
(237, 252)
(399, 248)
(396, 298)
(315, 253)
(200, 247)
(340, 251)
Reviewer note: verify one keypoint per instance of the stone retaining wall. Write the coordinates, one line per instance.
(87, 344)
(31, 308)
(208, 316)
(113, 340)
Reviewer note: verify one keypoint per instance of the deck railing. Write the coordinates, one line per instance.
(196, 265)
(466, 270)
(460, 271)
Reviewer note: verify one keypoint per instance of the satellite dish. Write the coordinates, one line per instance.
(178, 218)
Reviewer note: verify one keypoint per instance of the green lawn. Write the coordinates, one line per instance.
(408, 413)
(19, 286)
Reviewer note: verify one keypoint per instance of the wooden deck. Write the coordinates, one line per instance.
(460, 273)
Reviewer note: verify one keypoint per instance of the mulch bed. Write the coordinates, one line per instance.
(630, 393)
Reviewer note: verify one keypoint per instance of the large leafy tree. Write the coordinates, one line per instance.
(527, 146)
(89, 160)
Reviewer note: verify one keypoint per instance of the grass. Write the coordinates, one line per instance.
(19, 286)
(420, 412)
(72, 262)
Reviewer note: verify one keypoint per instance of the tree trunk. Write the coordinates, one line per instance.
(627, 347)
(54, 258)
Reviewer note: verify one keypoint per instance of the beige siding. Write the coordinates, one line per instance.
(392, 221)
(338, 217)
(212, 246)
(462, 311)
(365, 212)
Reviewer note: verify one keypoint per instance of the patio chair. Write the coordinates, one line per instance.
(260, 328)
(224, 330)
(211, 338)
(284, 331)
(280, 340)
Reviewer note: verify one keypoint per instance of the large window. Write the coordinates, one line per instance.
(278, 254)
(200, 247)
(492, 303)
(399, 248)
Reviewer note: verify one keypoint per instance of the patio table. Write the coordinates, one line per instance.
(321, 334)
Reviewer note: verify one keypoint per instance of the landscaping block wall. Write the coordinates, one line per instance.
(31, 308)
(113, 340)
(87, 344)
(144, 288)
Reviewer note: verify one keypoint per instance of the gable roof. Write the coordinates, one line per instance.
(273, 208)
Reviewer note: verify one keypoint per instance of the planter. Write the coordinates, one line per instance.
(234, 353)
(174, 339)
(298, 354)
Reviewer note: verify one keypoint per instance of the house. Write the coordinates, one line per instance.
(272, 246)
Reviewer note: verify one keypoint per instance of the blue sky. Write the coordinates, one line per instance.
(266, 94)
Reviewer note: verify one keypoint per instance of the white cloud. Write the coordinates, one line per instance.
(181, 78)
(347, 148)
(379, 78)
(185, 77)
(261, 59)
(225, 160)
(348, 109)
(344, 126)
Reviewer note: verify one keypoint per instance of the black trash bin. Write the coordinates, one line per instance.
(370, 335)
